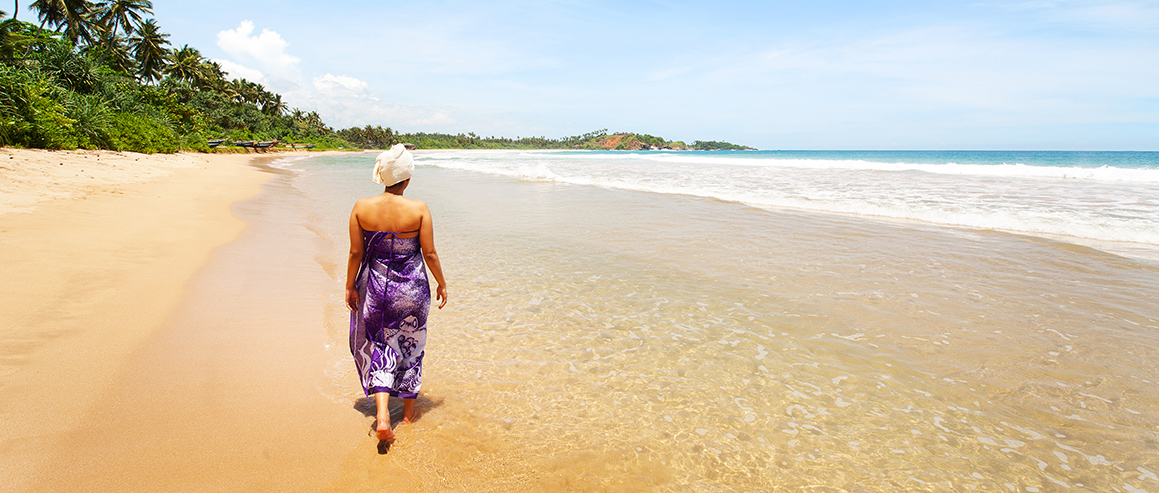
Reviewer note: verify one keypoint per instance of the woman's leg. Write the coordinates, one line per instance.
(382, 426)
(408, 410)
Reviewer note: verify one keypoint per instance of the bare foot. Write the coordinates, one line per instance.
(409, 414)
(382, 418)
(382, 430)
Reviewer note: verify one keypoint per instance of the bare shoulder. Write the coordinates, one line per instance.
(361, 204)
(364, 202)
(416, 204)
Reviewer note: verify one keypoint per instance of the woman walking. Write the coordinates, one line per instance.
(387, 289)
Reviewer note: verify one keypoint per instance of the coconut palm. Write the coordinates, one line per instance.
(123, 15)
(115, 54)
(50, 12)
(231, 90)
(149, 50)
(273, 104)
(116, 20)
(185, 64)
(12, 37)
(212, 76)
(72, 18)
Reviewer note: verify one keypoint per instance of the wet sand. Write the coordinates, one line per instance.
(137, 353)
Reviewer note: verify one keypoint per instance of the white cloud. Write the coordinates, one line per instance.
(239, 71)
(435, 120)
(267, 51)
(335, 84)
(343, 101)
(349, 110)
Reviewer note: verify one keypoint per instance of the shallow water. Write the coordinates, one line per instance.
(618, 339)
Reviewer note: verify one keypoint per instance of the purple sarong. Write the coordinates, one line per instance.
(389, 330)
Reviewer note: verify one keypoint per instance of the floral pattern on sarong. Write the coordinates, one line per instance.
(388, 332)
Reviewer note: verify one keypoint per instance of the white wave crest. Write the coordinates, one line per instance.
(1106, 203)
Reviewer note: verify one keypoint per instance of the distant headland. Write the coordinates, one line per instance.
(600, 140)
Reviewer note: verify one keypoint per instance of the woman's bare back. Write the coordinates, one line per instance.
(389, 212)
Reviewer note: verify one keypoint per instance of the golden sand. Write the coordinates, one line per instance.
(96, 251)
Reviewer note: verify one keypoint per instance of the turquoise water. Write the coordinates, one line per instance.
(1080, 159)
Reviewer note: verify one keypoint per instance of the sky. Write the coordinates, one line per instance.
(1061, 75)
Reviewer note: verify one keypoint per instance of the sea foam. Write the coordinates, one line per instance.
(1098, 202)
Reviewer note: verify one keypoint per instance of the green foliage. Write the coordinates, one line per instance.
(91, 120)
(72, 18)
(46, 125)
(15, 37)
(712, 145)
(141, 134)
(370, 137)
(65, 93)
(149, 51)
(377, 138)
(14, 105)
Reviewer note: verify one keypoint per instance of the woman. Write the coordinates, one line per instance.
(387, 289)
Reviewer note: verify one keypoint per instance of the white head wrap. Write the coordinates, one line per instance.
(393, 166)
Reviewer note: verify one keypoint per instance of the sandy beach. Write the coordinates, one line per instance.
(98, 253)
(161, 323)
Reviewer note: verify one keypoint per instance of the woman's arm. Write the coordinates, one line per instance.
(427, 242)
(354, 260)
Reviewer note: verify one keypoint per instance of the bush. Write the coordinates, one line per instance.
(138, 133)
(48, 127)
(14, 106)
(91, 120)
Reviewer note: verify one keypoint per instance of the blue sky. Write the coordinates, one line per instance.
(774, 75)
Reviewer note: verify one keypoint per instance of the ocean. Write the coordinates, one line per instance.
(754, 321)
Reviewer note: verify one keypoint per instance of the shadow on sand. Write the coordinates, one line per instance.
(423, 405)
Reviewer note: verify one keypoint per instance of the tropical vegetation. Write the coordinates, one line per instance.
(378, 137)
(103, 75)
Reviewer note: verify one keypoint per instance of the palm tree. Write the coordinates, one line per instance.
(12, 36)
(212, 76)
(273, 104)
(149, 50)
(124, 15)
(73, 18)
(50, 12)
(250, 92)
(185, 64)
(116, 55)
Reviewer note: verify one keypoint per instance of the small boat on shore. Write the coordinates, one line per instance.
(244, 143)
(216, 142)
